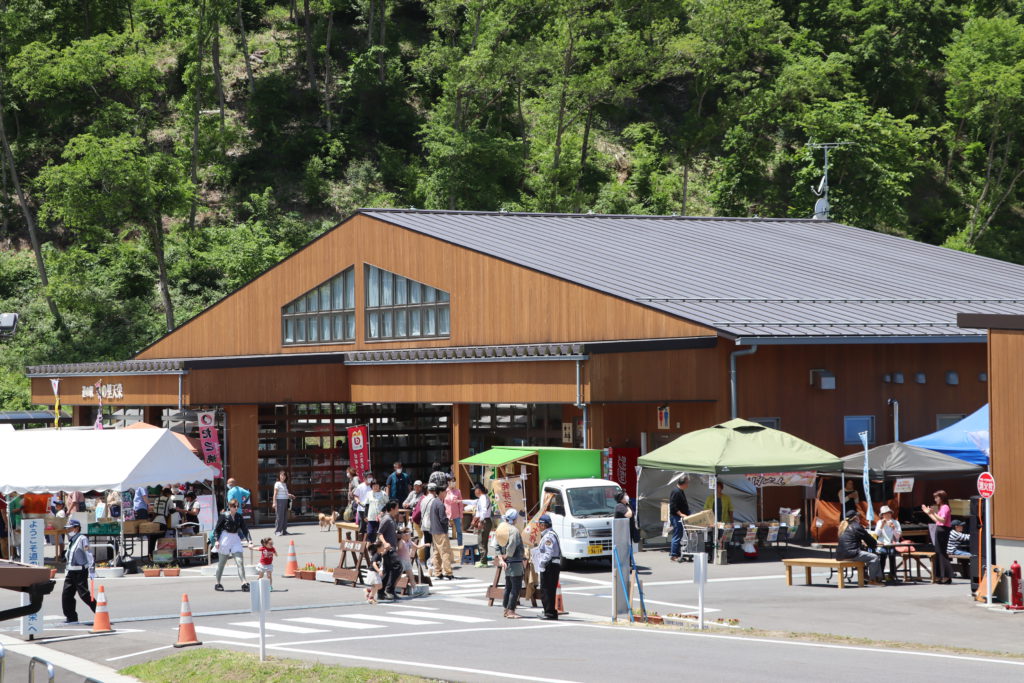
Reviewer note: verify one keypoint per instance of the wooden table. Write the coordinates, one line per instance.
(836, 565)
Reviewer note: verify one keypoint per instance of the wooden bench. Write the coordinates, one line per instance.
(808, 563)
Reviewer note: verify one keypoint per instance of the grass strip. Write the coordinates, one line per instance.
(211, 665)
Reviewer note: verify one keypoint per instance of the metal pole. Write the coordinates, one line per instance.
(714, 492)
(988, 550)
(700, 573)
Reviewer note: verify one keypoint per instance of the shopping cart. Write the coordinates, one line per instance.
(695, 540)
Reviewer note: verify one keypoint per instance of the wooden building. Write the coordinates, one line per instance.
(450, 332)
(1006, 428)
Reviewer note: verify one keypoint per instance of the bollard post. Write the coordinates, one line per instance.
(700, 577)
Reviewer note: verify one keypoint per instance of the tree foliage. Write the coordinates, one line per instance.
(172, 150)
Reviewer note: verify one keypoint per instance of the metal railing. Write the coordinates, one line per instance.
(50, 673)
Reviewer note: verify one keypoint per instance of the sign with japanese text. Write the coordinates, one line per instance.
(782, 479)
(567, 432)
(209, 441)
(103, 391)
(359, 448)
(904, 485)
(33, 546)
(510, 494)
(986, 485)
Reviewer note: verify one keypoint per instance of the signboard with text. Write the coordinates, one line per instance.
(209, 441)
(904, 485)
(783, 479)
(510, 494)
(359, 448)
(33, 546)
(986, 485)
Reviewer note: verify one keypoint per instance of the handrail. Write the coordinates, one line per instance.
(50, 673)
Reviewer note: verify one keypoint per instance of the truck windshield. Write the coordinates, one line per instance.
(592, 501)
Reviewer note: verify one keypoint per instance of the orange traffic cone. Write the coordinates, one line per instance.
(186, 629)
(101, 623)
(292, 565)
(559, 604)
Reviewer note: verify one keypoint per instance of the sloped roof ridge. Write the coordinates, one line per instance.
(633, 216)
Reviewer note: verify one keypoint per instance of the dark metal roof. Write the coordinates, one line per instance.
(746, 277)
(30, 416)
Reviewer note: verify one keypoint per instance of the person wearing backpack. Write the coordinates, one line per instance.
(229, 533)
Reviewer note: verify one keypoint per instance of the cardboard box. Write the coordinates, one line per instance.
(664, 511)
(131, 526)
(960, 507)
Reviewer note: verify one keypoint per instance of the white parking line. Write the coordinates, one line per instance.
(285, 628)
(446, 617)
(143, 652)
(224, 632)
(334, 622)
(392, 620)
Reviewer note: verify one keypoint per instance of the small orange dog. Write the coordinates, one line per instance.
(327, 521)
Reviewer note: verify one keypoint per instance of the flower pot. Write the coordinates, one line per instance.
(327, 576)
(53, 573)
(306, 574)
(151, 572)
(176, 571)
(655, 619)
(109, 572)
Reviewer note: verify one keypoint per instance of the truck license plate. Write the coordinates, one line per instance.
(595, 549)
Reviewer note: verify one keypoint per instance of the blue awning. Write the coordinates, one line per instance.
(968, 439)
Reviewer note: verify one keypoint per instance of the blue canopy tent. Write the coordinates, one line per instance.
(967, 439)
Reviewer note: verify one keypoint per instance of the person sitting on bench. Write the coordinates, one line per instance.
(957, 540)
(849, 548)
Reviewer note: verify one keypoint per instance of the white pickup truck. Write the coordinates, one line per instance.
(581, 514)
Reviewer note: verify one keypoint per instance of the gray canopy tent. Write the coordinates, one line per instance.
(898, 460)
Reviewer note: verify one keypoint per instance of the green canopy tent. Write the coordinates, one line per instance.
(739, 447)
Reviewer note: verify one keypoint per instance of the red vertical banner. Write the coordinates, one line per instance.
(209, 441)
(359, 448)
(623, 467)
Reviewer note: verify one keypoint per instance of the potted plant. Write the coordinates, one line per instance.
(308, 572)
(324, 574)
(654, 618)
(172, 570)
(151, 570)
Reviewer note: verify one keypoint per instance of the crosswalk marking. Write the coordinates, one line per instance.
(394, 620)
(445, 617)
(225, 632)
(316, 621)
(285, 628)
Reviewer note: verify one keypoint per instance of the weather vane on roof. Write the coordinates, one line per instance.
(821, 207)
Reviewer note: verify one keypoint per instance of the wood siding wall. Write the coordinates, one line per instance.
(282, 384)
(1006, 349)
(139, 390)
(492, 302)
(242, 434)
(518, 382)
(684, 375)
(774, 382)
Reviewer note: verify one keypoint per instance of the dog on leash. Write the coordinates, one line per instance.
(327, 521)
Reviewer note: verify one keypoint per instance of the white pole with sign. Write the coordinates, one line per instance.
(987, 489)
(33, 545)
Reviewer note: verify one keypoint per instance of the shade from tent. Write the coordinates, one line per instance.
(45, 460)
(967, 439)
(190, 443)
(498, 456)
(739, 447)
(895, 460)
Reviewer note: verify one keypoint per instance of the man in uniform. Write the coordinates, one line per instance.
(80, 568)
(547, 558)
(510, 556)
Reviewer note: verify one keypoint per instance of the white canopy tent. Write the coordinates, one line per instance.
(48, 460)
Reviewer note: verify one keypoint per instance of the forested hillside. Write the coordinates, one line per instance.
(159, 153)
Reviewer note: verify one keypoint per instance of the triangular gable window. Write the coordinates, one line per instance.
(325, 314)
(400, 308)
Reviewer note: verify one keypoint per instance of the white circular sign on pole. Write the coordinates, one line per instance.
(986, 485)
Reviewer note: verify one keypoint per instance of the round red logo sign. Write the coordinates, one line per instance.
(986, 485)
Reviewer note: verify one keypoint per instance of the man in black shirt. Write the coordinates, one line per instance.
(391, 568)
(677, 509)
(849, 547)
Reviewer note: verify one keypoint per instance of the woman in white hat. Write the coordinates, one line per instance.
(889, 533)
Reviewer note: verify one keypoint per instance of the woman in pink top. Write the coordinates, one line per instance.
(943, 518)
(453, 506)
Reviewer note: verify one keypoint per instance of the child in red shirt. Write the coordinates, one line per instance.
(267, 552)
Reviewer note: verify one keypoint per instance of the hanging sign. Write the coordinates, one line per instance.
(904, 485)
(783, 479)
(510, 494)
(567, 432)
(55, 385)
(664, 418)
(359, 448)
(209, 441)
